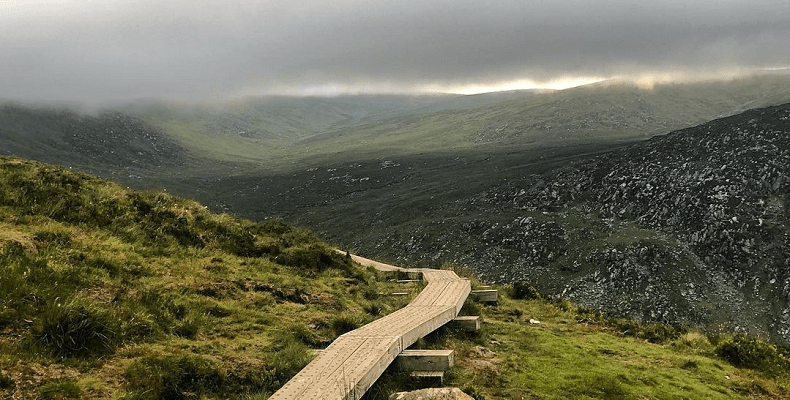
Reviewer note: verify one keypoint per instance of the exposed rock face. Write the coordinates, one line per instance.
(692, 227)
(720, 191)
(432, 394)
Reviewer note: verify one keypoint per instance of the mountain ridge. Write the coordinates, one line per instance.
(710, 200)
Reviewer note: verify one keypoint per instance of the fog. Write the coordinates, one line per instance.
(98, 51)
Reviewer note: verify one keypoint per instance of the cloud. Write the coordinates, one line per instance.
(99, 51)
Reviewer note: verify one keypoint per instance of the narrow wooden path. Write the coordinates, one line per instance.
(355, 360)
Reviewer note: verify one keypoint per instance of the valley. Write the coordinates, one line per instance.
(580, 192)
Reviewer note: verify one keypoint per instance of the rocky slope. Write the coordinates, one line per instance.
(686, 228)
(110, 143)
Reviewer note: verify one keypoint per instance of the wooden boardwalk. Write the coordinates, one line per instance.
(354, 361)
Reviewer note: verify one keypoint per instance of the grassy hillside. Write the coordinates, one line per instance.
(110, 143)
(602, 112)
(252, 129)
(282, 131)
(111, 293)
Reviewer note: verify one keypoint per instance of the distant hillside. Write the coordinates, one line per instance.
(110, 143)
(691, 227)
(279, 132)
(283, 133)
(602, 112)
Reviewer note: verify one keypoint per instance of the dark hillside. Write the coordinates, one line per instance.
(686, 228)
(110, 141)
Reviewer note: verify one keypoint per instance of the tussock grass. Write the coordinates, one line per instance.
(99, 279)
(60, 389)
(574, 352)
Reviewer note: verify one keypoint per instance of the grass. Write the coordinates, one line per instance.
(60, 389)
(283, 131)
(109, 285)
(141, 295)
(575, 353)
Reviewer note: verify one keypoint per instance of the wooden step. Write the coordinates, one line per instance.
(429, 378)
(469, 323)
(424, 360)
(486, 296)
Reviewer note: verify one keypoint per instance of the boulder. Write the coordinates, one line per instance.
(432, 394)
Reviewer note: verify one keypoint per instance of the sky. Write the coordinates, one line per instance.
(109, 51)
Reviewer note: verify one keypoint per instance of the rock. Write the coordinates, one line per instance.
(482, 352)
(432, 394)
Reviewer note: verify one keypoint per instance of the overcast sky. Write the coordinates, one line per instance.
(97, 51)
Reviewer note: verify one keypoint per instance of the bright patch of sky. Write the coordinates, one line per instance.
(100, 51)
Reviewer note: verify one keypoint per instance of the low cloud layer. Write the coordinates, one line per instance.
(98, 51)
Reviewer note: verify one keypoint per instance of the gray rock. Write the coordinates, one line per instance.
(432, 394)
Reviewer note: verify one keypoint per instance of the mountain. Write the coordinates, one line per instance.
(283, 132)
(110, 293)
(251, 129)
(435, 179)
(685, 228)
(111, 142)
(607, 111)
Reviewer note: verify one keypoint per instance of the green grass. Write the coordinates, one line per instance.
(142, 295)
(60, 389)
(98, 279)
(312, 129)
(576, 353)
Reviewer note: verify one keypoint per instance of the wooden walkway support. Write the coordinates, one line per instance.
(425, 360)
(353, 362)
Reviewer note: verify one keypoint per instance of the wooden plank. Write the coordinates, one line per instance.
(486, 296)
(468, 323)
(351, 364)
(431, 378)
(425, 360)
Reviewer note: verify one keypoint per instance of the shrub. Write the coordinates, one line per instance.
(160, 305)
(660, 333)
(524, 291)
(102, 263)
(217, 311)
(473, 392)
(471, 307)
(77, 328)
(302, 333)
(139, 325)
(175, 377)
(653, 333)
(6, 382)
(312, 258)
(59, 389)
(52, 238)
(374, 308)
(189, 327)
(288, 357)
(753, 353)
(345, 322)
